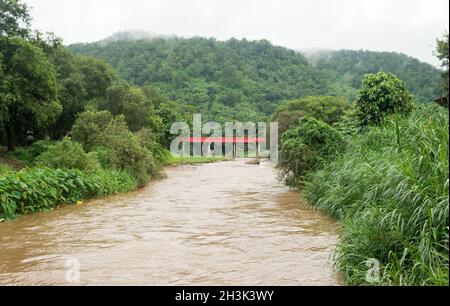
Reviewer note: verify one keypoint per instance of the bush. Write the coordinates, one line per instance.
(382, 94)
(115, 146)
(68, 155)
(40, 188)
(307, 148)
(126, 152)
(391, 190)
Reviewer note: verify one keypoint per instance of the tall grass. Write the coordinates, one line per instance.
(391, 191)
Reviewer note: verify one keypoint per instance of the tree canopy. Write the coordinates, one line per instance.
(382, 94)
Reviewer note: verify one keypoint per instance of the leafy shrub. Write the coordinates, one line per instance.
(68, 155)
(391, 189)
(307, 148)
(40, 188)
(382, 94)
(126, 152)
(110, 140)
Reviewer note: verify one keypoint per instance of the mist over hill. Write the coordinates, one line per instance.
(422, 78)
(133, 35)
(247, 80)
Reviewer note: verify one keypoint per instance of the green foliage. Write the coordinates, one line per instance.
(130, 101)
(41, 189)
(307, 148)
(237, 79)
(29, 95)
(89, 127)
(5, 169)
(126, 152)
(391, 191)
(247, 80)
(115, 145)
(80, 80)
(382, 94)
(170, 160)
(325, 108)
(67, 154)
(103, 155)
(98, 75)
(443, 55)
(29, 154)
(167, 114)
(148, 140)
(14, 18)
(346, 69)
(349, 125)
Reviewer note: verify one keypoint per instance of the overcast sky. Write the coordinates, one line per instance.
(408, 26)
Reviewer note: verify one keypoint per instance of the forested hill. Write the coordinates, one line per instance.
(351, 66)
(246, 80)
(237, 78)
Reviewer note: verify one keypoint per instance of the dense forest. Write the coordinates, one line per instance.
(241, 80)
(350, 67)
(247, 80)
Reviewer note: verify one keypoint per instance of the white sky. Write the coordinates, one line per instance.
(408, 26)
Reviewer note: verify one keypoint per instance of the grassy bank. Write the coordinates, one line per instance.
(390, 190)
(170, 160)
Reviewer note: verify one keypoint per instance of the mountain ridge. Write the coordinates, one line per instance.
(219, 77)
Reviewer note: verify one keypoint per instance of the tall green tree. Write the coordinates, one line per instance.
(29, 98)
(80, 80)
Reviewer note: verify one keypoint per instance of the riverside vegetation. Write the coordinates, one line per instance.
(382, 171)
(99, 115)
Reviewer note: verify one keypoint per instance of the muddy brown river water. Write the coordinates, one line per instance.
(226, 223)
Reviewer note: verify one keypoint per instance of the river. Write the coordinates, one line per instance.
(225, 223)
